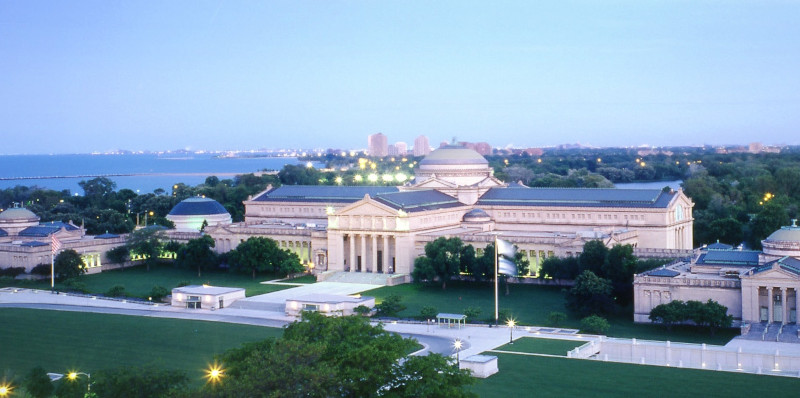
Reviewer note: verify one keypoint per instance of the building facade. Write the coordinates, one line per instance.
(381, 230)
(378, 145)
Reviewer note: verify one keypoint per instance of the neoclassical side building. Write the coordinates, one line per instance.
(381, 230)
(755, 286)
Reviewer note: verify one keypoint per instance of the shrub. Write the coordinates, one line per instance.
(595, 324)
(472, 313)
(75, 285)
(555, 318)
(362, 310)
(116, 291)
(12, 272)
(428, 312)
(41, 269)
(390, 306)
(183, 283)
(158, 293)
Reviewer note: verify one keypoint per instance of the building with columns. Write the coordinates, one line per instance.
(757, 287)
(381, 230)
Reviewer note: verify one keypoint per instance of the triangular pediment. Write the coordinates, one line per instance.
(366, 207)
(776, 273)
(490, 181)
(433, 183)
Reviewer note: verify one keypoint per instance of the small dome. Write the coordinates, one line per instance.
(453, 155)
(785, 234)
(18, 214)
(197, 206)
(476, 215)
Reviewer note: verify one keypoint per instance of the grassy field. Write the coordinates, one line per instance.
(541, 346)
(530, 305)
(138, 282)
(523, 375)
(60, 341)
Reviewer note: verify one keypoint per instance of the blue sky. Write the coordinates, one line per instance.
(81, 76)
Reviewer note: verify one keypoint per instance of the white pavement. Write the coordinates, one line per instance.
(335, 288)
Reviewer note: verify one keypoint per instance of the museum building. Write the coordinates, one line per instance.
(381, 230)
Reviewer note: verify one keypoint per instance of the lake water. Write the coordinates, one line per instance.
(143, 173)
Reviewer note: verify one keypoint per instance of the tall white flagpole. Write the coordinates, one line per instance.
(52, 272)
(496, 277)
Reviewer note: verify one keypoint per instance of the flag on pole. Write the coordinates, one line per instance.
(506, 248)
(55, 244)
(506, 267)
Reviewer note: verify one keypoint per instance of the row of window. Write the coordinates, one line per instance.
(564, 216)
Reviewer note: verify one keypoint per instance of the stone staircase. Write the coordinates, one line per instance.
(366, 278)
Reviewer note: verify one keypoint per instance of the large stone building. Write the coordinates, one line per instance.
(26, 242)
(381, 230)
(755, 286)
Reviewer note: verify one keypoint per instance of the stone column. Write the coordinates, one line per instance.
(796, 306)
(769, 304)
(785, 310)
(755, 306)
(374, 264)
(363, 253)
(385, 268)
(352, 252)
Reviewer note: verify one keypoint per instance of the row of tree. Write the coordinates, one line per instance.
(446, 258)
(710, 314)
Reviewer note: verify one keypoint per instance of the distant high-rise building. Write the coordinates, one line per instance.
(481, 147)
(421, 146)
(402, 148)
(378, 145)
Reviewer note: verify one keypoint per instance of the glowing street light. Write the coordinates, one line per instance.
(511, 325)
(457, 346)
(214, 373)
(5, 390)
(72, 376)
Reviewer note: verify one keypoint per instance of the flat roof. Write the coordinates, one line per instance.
(330, 299)
(201, 289)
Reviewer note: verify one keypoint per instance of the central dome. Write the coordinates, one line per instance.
(18, 214)
(453, 155)
(785, 234)
(197, 206)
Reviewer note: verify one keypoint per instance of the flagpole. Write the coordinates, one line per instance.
(52, 272)
(496, 277)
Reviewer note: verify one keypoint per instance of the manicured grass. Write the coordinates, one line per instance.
(523, 375)
(60, 341)
(138, 282)
(541, 346)
(530, 305)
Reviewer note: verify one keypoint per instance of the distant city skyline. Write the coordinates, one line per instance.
(93, 76)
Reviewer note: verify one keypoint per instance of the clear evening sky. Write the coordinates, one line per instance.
(81, 76)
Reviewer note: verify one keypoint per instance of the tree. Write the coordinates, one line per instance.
(669, 314)
(595, 324)
(146, 242)
(118, 255)
(68, 264)
(593, 256)
(99, 187)
(560, 268)
(423, 270)
(590, 295)
(138, 382)
(38, 383)
(336, 356)
(428, 312)
(445, 257)
(390, 306)
(259, 254)
(556, 318)
(197, 253)
(619, 268)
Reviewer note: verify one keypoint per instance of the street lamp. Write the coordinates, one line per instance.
(214, 373)
(5, 389)
(511, 325)
(457, 346)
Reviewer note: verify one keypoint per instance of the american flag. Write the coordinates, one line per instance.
(55, 244)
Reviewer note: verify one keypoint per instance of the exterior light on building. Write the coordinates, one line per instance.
(358, 178)
(387, 178)
(400, 177)
(372, 177)
(338, 180)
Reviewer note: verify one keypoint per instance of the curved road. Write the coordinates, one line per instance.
(440, 345)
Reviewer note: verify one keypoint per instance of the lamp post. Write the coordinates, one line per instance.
(214, 374)
(72, 376)
(457, 346)
(511, 325)
(5, 390)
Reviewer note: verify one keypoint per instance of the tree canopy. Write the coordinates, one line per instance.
(260, 254)
(68, 264)
(197, 254)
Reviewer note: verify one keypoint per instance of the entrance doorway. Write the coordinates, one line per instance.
(380, 261)
(764, 314)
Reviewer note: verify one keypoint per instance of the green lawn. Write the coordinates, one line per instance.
(60, 341)
(523, 375)
(138, 282)
(530, 305)
(541, 346)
